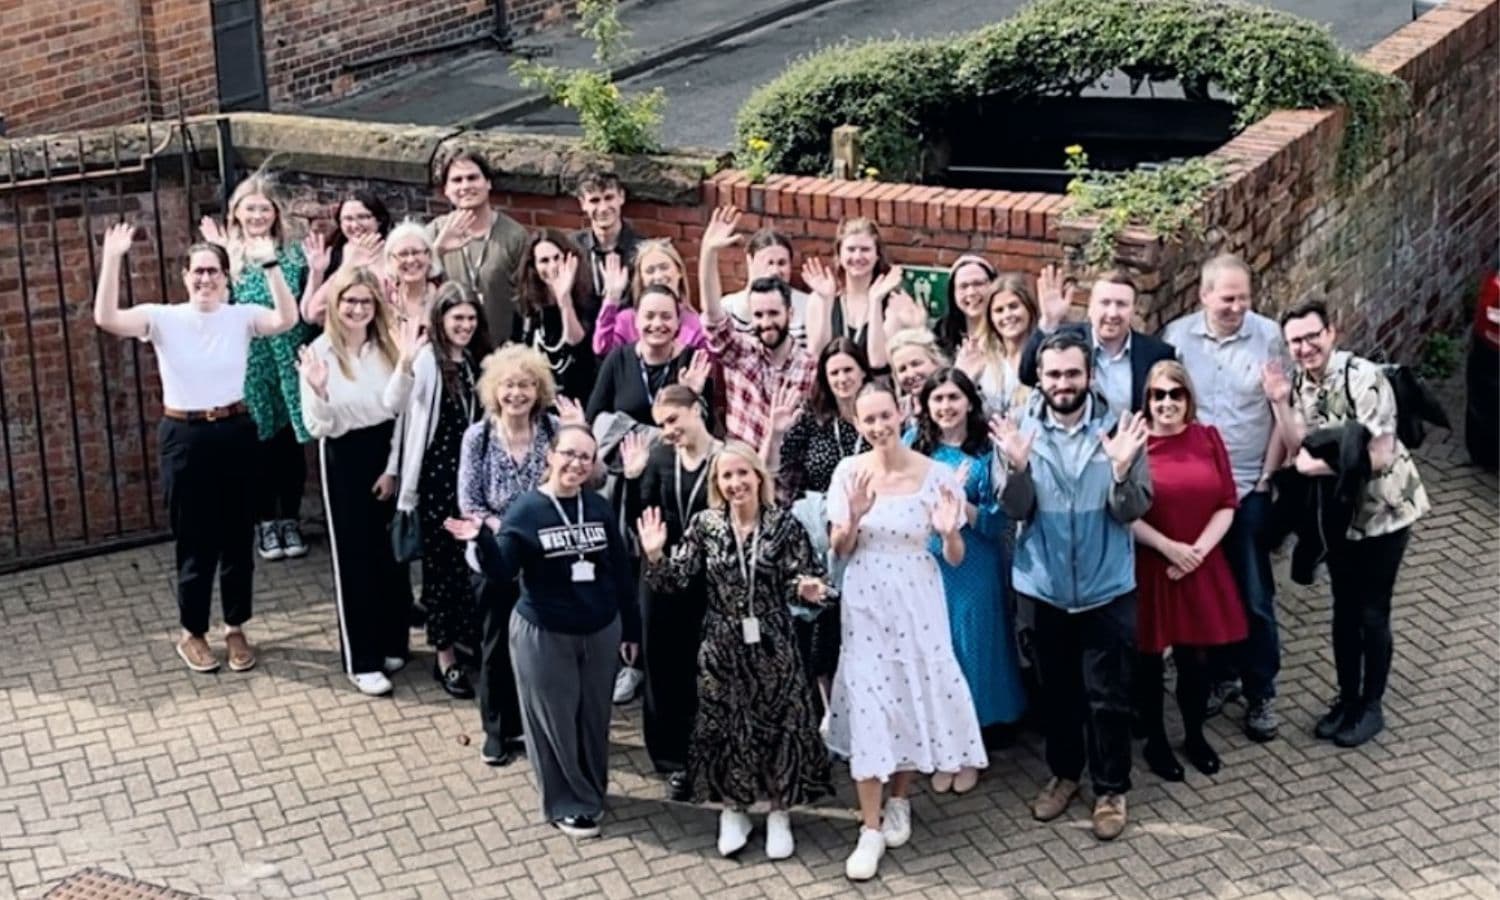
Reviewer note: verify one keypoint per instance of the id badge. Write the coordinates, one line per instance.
(583, 570)
(750, 626)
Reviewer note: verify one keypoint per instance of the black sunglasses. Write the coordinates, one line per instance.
(1175, 393)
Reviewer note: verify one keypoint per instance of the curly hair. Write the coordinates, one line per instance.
(515, 359)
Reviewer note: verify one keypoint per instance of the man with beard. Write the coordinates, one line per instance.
(602, 197)
(1076, 477)
(758, 364)
(1120, 355)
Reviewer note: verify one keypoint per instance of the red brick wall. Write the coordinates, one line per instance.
(180, 59)
(69, 66)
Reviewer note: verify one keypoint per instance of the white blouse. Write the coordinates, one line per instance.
(377, 392)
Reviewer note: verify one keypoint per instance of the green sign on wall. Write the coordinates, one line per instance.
(928, 285)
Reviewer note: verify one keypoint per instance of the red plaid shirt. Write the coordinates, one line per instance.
(751, 379)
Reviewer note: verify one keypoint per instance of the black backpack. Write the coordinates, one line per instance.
(1416, 405)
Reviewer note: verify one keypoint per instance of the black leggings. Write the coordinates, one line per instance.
(282, 467)
(1192, 691)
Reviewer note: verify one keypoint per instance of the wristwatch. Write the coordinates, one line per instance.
(271, 263)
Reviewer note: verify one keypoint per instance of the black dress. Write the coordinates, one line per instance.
(452, 620)
(573, 365)
(671, 621)
(756, 733)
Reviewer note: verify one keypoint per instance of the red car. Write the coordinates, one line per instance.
(1482, 406)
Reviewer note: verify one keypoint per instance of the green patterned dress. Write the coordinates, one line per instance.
(271, 388)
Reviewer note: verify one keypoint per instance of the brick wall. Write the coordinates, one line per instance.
(69, 66)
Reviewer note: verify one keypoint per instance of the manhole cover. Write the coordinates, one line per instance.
(97, 884)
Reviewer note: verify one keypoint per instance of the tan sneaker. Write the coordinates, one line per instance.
(241, 657)
(1109, 816)
(1053, 799)
(195, 651)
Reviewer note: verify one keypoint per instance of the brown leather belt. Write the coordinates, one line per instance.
(206, 415)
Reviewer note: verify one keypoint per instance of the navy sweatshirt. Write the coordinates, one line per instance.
(541, 547)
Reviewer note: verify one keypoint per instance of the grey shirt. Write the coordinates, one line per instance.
(1227, 387)
(1114, 376)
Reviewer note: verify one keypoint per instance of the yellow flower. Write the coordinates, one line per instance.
(758, 145)
(1074, 149)
(614, 90)
(872, 172)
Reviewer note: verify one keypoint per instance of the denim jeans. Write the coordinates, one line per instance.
(1258, 657)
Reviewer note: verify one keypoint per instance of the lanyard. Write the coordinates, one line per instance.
(838, 439)
(575, 530)
(646, 379)
(466, 390)
(684, 508)
(472, 266)
(747, 567)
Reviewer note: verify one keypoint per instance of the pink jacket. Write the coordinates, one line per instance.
(616, 326)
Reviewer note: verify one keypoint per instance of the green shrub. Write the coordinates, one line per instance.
(902, 93)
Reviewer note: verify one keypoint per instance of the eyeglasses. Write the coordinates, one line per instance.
(206, 273)
(575, 456)
(416, 253)
(1174, 394)
(1306, 338)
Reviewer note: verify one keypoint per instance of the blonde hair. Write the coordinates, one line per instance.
(258, 185)
(513, 359)
(1174, 371)
(665, 248)
(920, 338)
(740, 450)
(379, 329)
(407, 229)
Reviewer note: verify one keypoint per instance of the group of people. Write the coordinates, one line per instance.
(822, 524)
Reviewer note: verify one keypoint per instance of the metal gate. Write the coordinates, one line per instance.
(78, 407)
(239, 55)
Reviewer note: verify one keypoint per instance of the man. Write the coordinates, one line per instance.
(478, 245)
(758, 364)
(602, 197)
(1332, 388)
(768, 254)
(1121, 356)
(1076, 477)
(1225, 347)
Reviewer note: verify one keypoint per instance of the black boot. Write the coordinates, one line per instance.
(1192, 701)
(1148, 713)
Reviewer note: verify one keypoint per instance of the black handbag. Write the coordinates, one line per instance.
(406, 537)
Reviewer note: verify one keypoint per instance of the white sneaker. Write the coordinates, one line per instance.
(393, 664)
(734, 831)
(268, 541)
(895, 825)
(864, 862)
(779, 843)
(627, 682)
(374, 684)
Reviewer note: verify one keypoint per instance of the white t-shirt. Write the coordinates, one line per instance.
(201, 356)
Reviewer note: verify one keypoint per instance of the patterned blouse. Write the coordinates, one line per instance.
(1395, 498)
(489, 478)
(273, 390)
(810, 451)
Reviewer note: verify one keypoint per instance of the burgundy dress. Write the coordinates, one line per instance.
(1191, 480)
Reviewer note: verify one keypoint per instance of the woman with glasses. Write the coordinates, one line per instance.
(412, 272)
(361, 224)
(576, 613)
(356, 378)
(442, 406)
(1188, 597)
(206, 438)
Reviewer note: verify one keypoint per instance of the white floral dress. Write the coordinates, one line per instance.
(900, 701)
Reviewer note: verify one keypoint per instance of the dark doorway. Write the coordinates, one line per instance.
(237, 52)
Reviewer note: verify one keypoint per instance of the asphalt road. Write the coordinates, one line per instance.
(705, 90)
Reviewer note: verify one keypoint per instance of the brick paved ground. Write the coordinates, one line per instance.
(284, 782)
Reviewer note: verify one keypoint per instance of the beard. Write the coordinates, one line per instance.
(772, 337)
(1068, 406)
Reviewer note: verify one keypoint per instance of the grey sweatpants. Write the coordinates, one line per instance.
(566, 686)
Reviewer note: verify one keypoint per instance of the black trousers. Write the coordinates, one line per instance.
(282, 468)
(1086, 660)
(1363, 578)
(499, 704)
(371, 593)
(209, 505)
(671, 631)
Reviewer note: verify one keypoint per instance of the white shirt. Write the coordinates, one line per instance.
(201, 355)
(375, 394)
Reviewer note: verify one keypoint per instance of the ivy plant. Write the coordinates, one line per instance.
(1164, 199)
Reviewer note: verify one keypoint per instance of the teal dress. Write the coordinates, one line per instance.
(271, 389)
(975, 589)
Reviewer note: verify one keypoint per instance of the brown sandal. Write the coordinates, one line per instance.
(241, 657)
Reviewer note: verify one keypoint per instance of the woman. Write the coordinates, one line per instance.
(1188, 597)
(671, 477)
(272, 386)
(914, 355)
(951, 429)
(362, 222)
(577, 603)
(443, 405)
(554, 311)
(356, 379)
(633, 374)
(412, 272)
(991, 354)
(970, 280)
(806, 448)
(207, 440)
(900, 704)
(657, 264)
(755, 737)
(855, 292)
